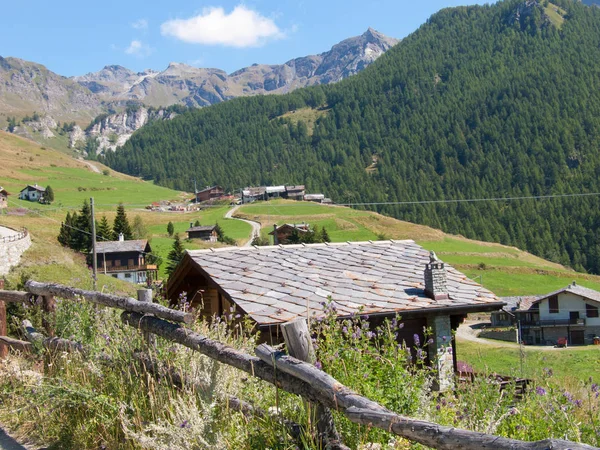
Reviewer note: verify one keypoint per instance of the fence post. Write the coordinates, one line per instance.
(145, 295)
(299, 345)
(48, 308)
(3, 325)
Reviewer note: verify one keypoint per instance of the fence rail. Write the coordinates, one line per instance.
(275, 367)
(15, 237)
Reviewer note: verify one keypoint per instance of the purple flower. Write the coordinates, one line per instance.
(400, 326)
(394, 323)
(578, 403)
(540, 391)
(548, 372)
(370, 334)
(568, 396)
(430, 341)
(237, 316)
(417, 340)
(318, 365)
(595, 388)
(444, 338)
(184, 424)
(420, 354)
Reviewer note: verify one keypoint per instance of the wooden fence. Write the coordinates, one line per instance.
(284, 371)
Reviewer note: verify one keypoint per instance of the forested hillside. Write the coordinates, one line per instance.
(481, 101)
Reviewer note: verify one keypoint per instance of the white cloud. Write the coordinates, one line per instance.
(242, 27)
(140, 24)
(138, 48)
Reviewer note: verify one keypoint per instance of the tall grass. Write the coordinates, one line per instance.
(105, 399)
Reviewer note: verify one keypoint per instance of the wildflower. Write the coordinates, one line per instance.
(417, 340)
(548, 372)
(345, 330)
(568, 396)
(370, 334)
(184, 424)
(540, 391)
(430, 341)
(400, 326)
(595, 388)
(578, 403)
(444, 338)
(318, 365)
(237, 316)
(394, 323)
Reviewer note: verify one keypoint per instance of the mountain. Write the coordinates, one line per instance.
(26, 87)
(493, 101)
(191, 86)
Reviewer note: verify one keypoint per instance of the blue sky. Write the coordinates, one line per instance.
(73, 38)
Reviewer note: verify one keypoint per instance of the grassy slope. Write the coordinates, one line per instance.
(504, 270)
(25, 162)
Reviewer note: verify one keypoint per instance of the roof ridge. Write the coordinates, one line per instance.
(293, 246)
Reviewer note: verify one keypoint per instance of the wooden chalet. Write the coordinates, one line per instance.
(210, 193)
(3, 198)
(281, 234)
(273, 285)
(126, 260)
(204, 233)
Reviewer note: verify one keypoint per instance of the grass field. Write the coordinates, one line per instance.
(571, 365)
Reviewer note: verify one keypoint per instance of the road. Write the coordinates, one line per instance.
(255, 225)
(92, 166)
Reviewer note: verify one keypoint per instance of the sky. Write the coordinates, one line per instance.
(74, 38)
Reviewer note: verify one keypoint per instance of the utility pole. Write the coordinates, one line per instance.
(94, 261)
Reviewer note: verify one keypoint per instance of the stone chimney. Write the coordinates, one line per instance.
(275, 240)
(435, 279)
(121, 237)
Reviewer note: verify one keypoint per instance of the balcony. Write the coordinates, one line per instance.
(580, 322)
(131, 268)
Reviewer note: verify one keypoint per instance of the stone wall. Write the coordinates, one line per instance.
(11, 251)
(500, 335)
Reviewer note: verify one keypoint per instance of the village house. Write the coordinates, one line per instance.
(295, 192)
(210, 193)
(126, 260)
(276, 284)
(32, 193)
(275, 192)
(570, 313)
(507, 316)
(3, 197)
(317, 198)
(204, 233)
(252, 194)
(282, 233)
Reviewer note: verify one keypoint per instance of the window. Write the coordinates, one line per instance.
(591, 311)
(115, 275)
(127, 275)
(553, 304)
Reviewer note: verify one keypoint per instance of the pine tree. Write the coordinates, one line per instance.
(170, 229)
(121, 224)
(175, 255)
(197, 223)
(103, 230)
(49, 195)
(64, 235)
(325, 236)
(82, 236)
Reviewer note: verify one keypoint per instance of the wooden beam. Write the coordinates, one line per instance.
(50, 343)
(16, 344)
(16, 297)
(125, 303)
(3, 330)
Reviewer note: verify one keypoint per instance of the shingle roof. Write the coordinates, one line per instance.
(33, 188)
(121, 246)
(210, 188)
(278, 283)
(522, 303)
(201, 228)
(590, 294)
(301, 227)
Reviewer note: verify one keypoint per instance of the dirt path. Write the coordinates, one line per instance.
(255, 225)
(92, 166)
